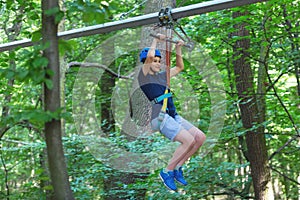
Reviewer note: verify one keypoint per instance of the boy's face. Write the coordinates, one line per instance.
(155, 65)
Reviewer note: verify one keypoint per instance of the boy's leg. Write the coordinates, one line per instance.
(173, 130)
(199, 137)
(187, 142)
(199, 140)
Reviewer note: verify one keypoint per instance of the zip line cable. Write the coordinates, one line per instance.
(124, 15)
(186, 11)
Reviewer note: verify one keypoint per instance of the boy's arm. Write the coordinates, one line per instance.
(151, 52)
(179, 61)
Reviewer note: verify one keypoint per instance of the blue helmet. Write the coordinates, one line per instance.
(144, 52)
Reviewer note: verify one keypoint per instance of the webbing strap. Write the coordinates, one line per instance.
(168, 64)
(165, 103)
(161, 97)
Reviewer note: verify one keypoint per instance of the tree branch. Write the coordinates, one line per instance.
(6, 174)
(289, 116)
(24, 124)
(282, 147)
(285, 176)
(96, 65)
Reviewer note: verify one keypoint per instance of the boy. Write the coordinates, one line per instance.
(153, 83)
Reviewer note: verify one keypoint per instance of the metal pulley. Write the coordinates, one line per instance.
(165, 17)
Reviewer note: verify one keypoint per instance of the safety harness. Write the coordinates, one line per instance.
(166, 20)
(161, 98)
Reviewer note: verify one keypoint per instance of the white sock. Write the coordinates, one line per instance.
(177, 167)
(166, 170)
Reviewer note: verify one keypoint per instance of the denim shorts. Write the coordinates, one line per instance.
(170, 126)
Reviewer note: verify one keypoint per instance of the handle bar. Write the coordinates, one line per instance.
(188, 45)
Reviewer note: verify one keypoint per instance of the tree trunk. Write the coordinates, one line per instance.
(256, 144)
(53, 131)
(107, 86)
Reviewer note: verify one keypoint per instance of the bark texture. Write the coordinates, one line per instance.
(53, 129)
(255, 140)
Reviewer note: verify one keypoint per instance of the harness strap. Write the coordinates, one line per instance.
(161, 97)
(164, 108)
(168, 64)
(165, 103)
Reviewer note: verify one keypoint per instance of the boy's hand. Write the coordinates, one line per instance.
(161, 37)
(179, 43)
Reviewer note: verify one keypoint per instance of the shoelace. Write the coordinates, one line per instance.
(171, 174)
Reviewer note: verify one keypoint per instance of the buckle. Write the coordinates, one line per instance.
(154, 101)
(161, 116)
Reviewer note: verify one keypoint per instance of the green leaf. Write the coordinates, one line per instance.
(87, 17)
(40, 62)
(36, 36)
(10, 74)
(49, 84)
(48, 187)
(56, 12)
(66, 46)
(59, 16)
(52, 11)
(22, 74)
(50, 72)
(99, 17)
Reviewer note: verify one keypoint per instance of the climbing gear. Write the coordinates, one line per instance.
(165, 18)
(188, 42)
(161, 98)
(187, 45)
(144, 52)
(168, 179)
(168, 64)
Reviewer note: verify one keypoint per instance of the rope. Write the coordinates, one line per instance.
(168, 57)
(168, 64)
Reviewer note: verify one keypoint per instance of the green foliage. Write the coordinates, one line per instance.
(86, 173)
(222, 173)
(91, 12)
(18, 19)
(56, 12)
(20, 157)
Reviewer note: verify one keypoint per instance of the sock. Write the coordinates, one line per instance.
(177, 167)
(166, 170)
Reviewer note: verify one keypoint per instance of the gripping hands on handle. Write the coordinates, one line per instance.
(162, 37)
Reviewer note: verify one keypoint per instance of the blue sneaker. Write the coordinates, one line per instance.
(178, 175)
(168, 179)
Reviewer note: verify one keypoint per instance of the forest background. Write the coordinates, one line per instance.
(256, 51)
